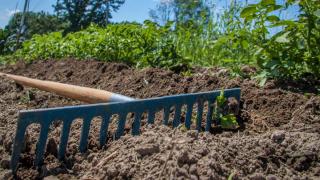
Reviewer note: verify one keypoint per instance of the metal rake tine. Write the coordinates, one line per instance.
(121, 124)
(64, 138)
(18, 141)
(189, 115)
(137, 123)
(177, 115)
(41, 145)
(151, 116)
(209, 115)
(199, 114)
(104, 129)
(85, 133)
(166, 113)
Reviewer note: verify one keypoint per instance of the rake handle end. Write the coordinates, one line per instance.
(85, 94)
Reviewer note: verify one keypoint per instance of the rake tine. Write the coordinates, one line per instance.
(17, 146)
(166, 115)
(121, 125)
(177, 114)
(189, 115)
(151, 116)
(64, 138)
(41, 144)
(85, 133)
(136, 124)
(199, 115)
(209, 115)
(104, 129)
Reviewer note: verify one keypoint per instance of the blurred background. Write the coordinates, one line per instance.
(278, 37)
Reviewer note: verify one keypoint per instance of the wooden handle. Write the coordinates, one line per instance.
(84, 94)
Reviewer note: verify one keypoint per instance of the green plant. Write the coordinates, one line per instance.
(230, 177)
(226, 121)
(3, 39)
(80, 14)
(198, 37)
(229, 122)
(27, 97)
(140, 45)
(35, 23)
(292, 52)
(183, 128)
(187, 73)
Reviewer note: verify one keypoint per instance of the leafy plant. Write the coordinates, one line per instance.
(27, 97)
(292, 52)
(36, 23)
(225, 120)
(3, 38)
(241, 35)
(229, 122)
(140, 45)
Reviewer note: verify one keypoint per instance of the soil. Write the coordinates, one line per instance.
(278, 138)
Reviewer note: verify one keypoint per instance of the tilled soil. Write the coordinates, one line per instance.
(278, 138)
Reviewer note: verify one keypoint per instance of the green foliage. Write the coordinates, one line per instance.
(182, 12)
(196, 36)
(80, 14)
(3, 38)
(141, 45)
(35, 23)
(221, 99)
(8, 59)
(26, 98)
(229, 122)
(292, 52)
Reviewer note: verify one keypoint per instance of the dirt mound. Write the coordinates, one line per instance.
(280, 134)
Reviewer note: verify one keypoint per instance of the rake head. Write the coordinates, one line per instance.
(45, 117)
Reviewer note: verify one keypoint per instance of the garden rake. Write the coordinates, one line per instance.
(114, 104)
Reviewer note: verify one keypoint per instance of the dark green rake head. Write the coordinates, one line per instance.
(45, 117)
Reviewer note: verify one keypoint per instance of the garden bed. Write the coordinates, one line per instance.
(279, 134)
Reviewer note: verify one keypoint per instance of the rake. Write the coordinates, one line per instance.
(115, 104)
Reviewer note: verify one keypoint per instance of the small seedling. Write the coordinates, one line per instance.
(194, 118)
(183, 128)
(187, 73)
(226, 121)
(232, 175)
(229, 122)
(221, 99)
(27, 97)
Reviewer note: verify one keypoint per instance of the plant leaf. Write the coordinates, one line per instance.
(317, 13)
(273, 8)
(248, 11)
(244, 44)
(262, 82)
(283, 38)
(283, 23)
(273, 18)
(229, 122)
(267, 2)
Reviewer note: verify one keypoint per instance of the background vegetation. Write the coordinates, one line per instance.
(183, 34)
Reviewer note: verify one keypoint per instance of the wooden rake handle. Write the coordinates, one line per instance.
(85, 94)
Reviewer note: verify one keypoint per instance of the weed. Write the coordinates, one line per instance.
(226, 121)
(27, 97)
(183, 128)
